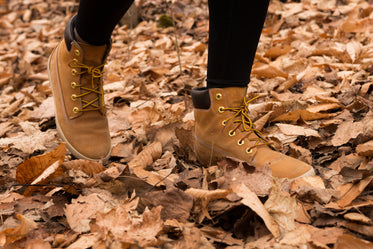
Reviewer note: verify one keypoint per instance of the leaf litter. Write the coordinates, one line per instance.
(313, 69)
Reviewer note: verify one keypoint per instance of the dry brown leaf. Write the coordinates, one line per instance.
(363, 229)
(276, 51)
(176, 204)
(295, 130)
(37, 244)
(5, 127)
(300, 153)
(44, 167)
(296, 115)
(208, 195)
(354, 192)
(267, 71)
(312, 181)
(358, 217)
(303, 234)
(347, 241)
(250, 199)
(193, 238)
(140, 229)
(145, 158)
(89, 167)
(32, 139)
(85, 241)
(365, 149)
(45, 110)
(10, 235)
(205, 196)
(258, 180)
(282, 207)
(350, 130)
(83, 209)
(323, 107)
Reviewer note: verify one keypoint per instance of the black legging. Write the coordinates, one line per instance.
(235, 28)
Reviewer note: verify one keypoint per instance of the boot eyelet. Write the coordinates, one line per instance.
(76, 110)
(73, 85)
(76, 52)
(221, 109)
(240, 142)
(218, 96)
(249, 150)
(75, 60)
(231, 133)
(224, 123)
(73, 71)
(73, 97)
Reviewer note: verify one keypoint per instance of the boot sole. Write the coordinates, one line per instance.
(73, 151)
(209, 156)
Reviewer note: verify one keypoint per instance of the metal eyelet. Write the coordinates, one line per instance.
(249, 150)
(223, 123)
(73, 85)
(73, 71)
(231, 133)
(218, 96)
(221, 109)
(76, 52)
(75, 60)
(73, 97)
(76, 110)
(240, 142)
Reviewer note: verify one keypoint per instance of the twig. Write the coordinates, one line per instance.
(176, 40)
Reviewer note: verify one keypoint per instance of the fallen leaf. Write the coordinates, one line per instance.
(144, 158)
(10, 235)
(141, 230)
(282, 207)
(32, 139)
(305, 115)
(175, 203)
(250, 199)
(41, 169)
(83, 209)
(354, 192)
(267, 71)
(365, 149)
(347, 241)
(206, 196)
(89, 167)
(358, 217)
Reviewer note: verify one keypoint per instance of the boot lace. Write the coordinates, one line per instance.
(96, 73)
(242, 119)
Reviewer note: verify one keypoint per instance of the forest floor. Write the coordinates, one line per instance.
(314, 72)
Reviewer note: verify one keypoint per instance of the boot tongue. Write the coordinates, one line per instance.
(93, 55)
(235, 96)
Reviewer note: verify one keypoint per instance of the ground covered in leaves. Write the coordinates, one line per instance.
(313, 69)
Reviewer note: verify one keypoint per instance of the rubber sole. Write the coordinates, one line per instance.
(208, 156)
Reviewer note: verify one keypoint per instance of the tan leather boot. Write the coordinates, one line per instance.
(223, 128)
(75, 73)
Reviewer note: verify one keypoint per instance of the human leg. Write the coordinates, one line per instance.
(75, 70)
(222, 125)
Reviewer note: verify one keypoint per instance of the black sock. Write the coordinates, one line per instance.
(235, 28)
(96, 19)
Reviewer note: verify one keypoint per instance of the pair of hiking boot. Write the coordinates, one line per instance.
(222, 126)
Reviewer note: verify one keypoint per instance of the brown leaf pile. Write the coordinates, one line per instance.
(313, 69)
